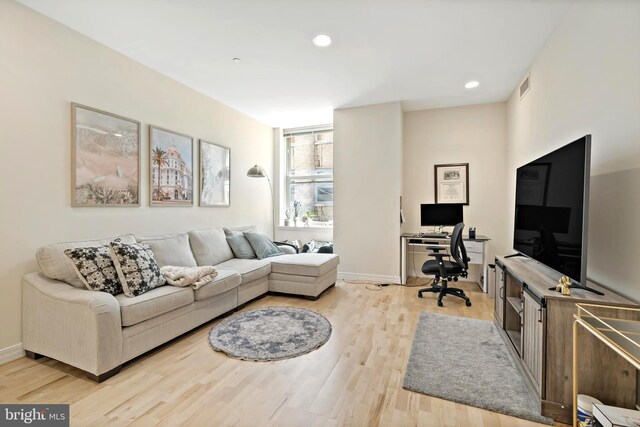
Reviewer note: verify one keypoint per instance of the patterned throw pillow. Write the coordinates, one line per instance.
(136, 267)
(95, 268)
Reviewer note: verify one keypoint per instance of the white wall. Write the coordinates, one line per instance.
(367, 187)
(586, 81)
(475, 135)
(46, 66)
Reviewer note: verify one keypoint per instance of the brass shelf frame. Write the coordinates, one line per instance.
(620, 335)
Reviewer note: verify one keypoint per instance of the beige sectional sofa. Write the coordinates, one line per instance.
(98, 332)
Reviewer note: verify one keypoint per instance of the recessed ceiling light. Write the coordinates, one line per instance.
(322, 40)
(236, 60)
(471, 84)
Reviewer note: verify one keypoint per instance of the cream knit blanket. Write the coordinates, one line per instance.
(188, 276)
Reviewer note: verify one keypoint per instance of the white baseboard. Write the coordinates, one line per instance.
(11, 353)
(369, 277)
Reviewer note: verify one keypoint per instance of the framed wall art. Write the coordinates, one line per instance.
(170, 168)
(452, 183)
(215, 173)
(105, 158)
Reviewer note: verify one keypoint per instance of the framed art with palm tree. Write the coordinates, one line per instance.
(105, 158)
(170, 168)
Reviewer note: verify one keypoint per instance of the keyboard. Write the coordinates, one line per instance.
(434, 235)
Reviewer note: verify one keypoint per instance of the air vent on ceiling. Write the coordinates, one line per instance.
(525, 86)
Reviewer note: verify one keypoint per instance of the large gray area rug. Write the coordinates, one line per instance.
(272, 333)
(466, 361)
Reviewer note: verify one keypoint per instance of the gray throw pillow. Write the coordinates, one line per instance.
(262, 245)
(241, 247)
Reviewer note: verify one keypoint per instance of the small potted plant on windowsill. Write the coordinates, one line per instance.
(288, 222)
(308, 217)
(296, 212)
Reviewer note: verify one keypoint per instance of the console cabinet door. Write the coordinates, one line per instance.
(532, 337)
(498, 308)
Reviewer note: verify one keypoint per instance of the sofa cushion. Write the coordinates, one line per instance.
(136, 267)
(262, 245)
(153, 303)
(210, 246)
(55, 264)
(234, 231)
(171, 249)
(305, 264)
(241, 247)
(249, 269)
(224, 281)
(95, 268)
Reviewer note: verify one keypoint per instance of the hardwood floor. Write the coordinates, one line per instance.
(355, 379)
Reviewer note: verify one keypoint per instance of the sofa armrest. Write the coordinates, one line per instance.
(287, 248)
(76, 326)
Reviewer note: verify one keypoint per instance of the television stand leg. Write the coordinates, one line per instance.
(513, 255)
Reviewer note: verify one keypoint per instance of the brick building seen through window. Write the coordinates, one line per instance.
(309, 176)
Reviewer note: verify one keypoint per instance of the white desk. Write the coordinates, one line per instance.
(411, 244)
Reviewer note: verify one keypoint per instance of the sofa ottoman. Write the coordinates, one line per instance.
(307, 274)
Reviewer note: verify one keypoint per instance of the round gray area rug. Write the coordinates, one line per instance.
(272, 333)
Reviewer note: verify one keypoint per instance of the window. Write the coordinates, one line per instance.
(309, 175)
(324, 194)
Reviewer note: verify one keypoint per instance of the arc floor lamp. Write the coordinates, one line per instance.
(258, 172)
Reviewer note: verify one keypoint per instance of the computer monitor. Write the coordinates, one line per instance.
(439, 214)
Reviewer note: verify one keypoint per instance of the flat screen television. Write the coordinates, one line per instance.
(440, 214)
(551, 209)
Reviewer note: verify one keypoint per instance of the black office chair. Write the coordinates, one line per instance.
(446, 270)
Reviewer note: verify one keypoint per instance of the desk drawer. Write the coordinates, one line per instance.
(474, 257)
(472, 246)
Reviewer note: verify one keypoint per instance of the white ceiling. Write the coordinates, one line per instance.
(420, 52)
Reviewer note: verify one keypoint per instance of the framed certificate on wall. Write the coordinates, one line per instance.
(452, 183)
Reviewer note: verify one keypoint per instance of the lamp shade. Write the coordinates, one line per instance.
(256, 172)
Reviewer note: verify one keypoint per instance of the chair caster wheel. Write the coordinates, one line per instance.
(419, 294)
(468, 303)
(439, 303)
